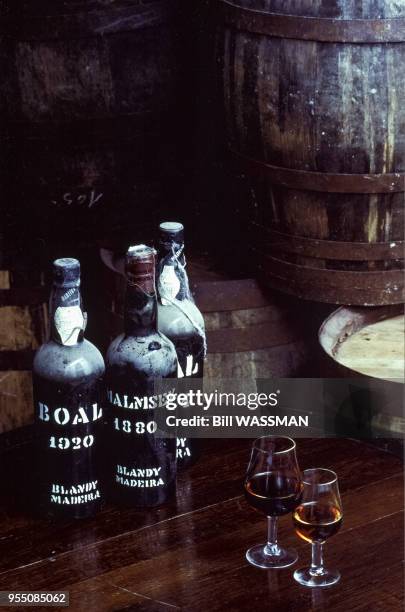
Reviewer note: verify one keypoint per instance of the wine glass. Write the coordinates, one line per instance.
(273, 486)
(318, 517)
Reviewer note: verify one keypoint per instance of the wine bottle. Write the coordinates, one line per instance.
(179, 318)
(141, 466)
(68, 395)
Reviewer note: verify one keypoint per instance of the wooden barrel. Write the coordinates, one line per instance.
(367, 345)
(23, 328)
(89, 92)
(314, 106)
(250, 334)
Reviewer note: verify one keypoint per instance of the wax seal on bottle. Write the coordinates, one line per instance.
(66, 272)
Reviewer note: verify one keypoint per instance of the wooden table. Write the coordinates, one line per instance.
(190, 554)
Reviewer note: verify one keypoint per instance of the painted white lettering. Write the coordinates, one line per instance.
(43, 412)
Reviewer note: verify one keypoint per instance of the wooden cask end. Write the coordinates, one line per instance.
(89, 90)
(23, 328)
(313, 98)
(249, 334)
(367, 346)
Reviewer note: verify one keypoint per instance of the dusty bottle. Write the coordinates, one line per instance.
(68, 394)
(179, 318)
(141, 466)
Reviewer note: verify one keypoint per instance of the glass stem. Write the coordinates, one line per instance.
(317, 568)
(272, 548)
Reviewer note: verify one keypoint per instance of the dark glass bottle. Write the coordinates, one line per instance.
(179, 318)
(141, 467)
(68, 394)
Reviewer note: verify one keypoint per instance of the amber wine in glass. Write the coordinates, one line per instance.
(317, 518)
(273, 486)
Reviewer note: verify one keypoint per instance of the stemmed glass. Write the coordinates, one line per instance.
(273, 486)
(317, 518)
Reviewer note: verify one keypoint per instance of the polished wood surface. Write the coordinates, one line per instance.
(190, 554)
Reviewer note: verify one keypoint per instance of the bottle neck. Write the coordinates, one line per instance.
(140, 317)
(67, 318)
(172, 281)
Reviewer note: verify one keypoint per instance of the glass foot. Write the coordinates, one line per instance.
(311, 579)
(277, 558)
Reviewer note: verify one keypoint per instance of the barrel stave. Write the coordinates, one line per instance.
(333, 114)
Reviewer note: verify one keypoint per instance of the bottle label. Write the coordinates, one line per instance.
(143, 478)
(188, 367)
(183, 450)
(142, 464)
(190, 355)
(81, 493)
(134, 402)
(69, 322)
(168, 285)
(59, 415)
(69, 435)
